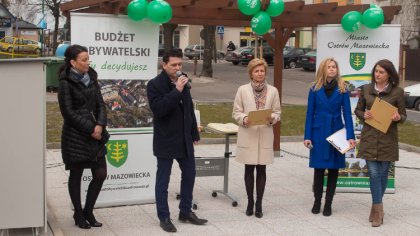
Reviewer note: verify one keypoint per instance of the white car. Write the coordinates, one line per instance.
(412, 96)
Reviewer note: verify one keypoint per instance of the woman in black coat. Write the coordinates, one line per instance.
(83, 135)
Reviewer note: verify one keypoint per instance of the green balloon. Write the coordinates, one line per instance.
(137, 9)
(159, 11)
(261, 23)
(249, 7)
(275, 8)
(373, 17)
(351, 21)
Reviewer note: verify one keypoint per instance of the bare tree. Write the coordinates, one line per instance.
(407, 17)
(54, 7)
(5, 3)
(168, 32)
(22, 9)
(209, 47)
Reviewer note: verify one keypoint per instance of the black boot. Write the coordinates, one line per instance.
(327, 208)
(80, 220)
(250, 208)
(317, 206)
(258, 209)
(91, 218)
(331, 185)
(317, 188)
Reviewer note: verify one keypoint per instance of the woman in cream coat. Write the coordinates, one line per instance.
(255, 142)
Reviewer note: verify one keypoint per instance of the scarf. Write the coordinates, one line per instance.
(260, 94)
(329, 87)
(84, 78)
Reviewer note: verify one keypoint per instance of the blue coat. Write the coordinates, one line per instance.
(174, 124)
(324, 117)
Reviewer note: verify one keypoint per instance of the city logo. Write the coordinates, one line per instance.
(117, 152)
(357, 60)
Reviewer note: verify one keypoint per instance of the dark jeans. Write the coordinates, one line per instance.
(164, 167)
(378, 178)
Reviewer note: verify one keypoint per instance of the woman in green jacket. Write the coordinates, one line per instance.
(377, 148)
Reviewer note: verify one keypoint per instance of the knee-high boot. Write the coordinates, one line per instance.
(331, 186)
(317, 188)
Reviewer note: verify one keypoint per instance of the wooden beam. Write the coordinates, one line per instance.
(323, 8)
(198, 21)
(390, 13)
(211, 4)
(344, 9)
(77, 4)
(180, 3)
(293, 6)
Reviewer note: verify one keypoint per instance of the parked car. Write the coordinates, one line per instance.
(307, 61)
(197, 51)
(194, 51)
(162, 50)
(412, 96)
(235, 56)
(19, 45)
(268, 55)
(291, 56)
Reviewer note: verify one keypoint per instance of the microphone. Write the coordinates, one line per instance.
(179, 74)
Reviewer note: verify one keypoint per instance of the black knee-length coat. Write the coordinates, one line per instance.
(82, 108)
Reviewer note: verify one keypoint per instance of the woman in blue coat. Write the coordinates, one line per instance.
(328, 103)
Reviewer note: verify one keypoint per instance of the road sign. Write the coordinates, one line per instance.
(220, 29)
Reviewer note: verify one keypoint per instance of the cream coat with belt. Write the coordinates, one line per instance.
(255, 143)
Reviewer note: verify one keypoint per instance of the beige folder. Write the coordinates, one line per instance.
(382, 113)
(260, 117)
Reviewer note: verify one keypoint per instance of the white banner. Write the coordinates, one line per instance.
(131, 171)
(119, 48)
(124, 53)
(356, 54)
(376, 44)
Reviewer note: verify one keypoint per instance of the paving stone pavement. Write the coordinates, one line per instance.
(287, 203)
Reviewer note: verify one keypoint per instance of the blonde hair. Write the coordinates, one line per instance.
(321, 76)
(254, 63)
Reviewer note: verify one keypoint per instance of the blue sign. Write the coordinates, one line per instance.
(220, 29)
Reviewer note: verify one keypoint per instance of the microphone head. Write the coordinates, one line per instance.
(178, 73)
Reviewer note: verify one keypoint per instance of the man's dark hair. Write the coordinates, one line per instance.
(171, 53)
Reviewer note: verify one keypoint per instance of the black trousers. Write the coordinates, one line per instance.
(163, 174)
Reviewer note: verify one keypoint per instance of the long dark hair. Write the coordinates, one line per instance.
(394, 78)
(71, 54)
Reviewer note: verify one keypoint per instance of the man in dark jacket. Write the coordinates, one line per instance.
(175, 132)
(231, 46)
